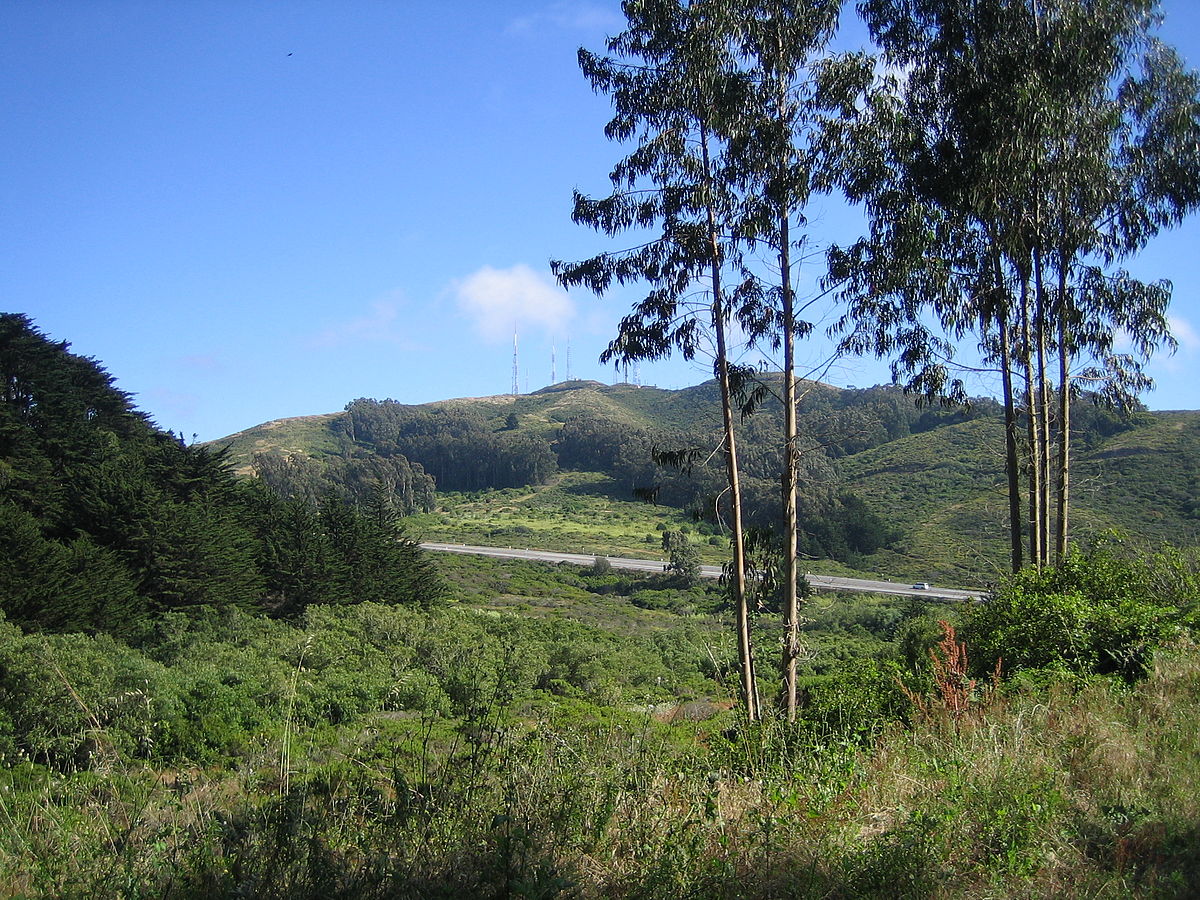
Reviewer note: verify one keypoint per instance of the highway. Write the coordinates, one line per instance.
(817, 582)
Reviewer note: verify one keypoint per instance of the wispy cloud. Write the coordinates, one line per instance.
(383, 323)
(573, 16)
(499, 300)
(170, 405)
(1185, 333)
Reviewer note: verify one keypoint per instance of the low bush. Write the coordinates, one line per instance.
(71, 701)
(1100, 611)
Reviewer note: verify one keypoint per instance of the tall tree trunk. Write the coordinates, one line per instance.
(791, 613)
(1011, 462)
(1032, 425)
(791, 450)
(1000, 312)
(1038, 402)
(745, 649)
(1064, 420)
(1041, 326)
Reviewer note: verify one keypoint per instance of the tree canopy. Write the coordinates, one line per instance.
(107, 521)
(1018, 152)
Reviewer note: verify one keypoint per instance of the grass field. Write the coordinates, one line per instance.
(577, 513)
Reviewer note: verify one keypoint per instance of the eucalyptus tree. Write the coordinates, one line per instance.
(1127, 166)
(683, 559)
(1032, 145)
(674, 86)
(797, 94)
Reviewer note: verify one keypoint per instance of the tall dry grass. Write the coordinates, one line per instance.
(1082, 789)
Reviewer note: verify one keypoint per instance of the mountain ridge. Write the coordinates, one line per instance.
(935, 474)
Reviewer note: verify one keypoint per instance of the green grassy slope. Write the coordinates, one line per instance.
(540, 412)
(579, 513)
(1145, 481)
(301, 435)
(943, 485)
(945, 490)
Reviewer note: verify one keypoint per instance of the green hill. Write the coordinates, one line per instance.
(927, 482)
(945, 488)
(542, 412)
(1146, 480)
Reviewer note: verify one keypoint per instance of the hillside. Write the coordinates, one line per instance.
(542, 412)
(1147, 479)
(929, 480)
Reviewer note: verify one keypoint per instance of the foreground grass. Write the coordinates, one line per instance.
(555, 732)
(1081, 790)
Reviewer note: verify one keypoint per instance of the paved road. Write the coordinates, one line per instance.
(818, 582)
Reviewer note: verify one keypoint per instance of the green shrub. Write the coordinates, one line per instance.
(1098, 612)
(67, 700)
(853, 704)
(222, 712)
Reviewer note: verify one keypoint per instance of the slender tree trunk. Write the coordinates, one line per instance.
(1041, 326)
(745, 650)
(791, 450)
(1001, 312)
(791, 617)
(1064, 420)
(1011, 462)
(1033, 426)
(1038, 402)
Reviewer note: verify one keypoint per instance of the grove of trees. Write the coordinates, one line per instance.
(1009, 155)
(1023, 152)
(107, 522)
(454, 446)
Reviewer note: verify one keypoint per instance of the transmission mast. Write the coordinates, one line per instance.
(516, 386)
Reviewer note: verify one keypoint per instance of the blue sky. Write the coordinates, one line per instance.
(252, 210)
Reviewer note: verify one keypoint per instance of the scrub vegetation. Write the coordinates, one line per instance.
(559, 733)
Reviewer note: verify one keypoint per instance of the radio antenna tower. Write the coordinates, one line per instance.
(553, 370)
(568, 359)
(516, 387)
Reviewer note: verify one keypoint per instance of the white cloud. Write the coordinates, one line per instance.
(177, 404)
(1185, 333)
(202, 362)
(499, 300)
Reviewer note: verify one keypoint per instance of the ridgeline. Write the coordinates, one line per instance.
(886, 484)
